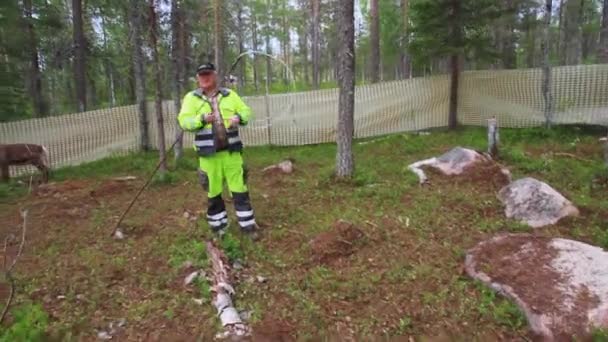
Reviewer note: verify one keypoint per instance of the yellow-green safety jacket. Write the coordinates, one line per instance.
(196, 105)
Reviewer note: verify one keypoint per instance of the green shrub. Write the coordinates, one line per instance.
(232, 247)
(29, 324)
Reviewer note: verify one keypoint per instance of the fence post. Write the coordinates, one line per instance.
(493, 137)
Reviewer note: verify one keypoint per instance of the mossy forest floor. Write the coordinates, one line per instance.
(391, 267)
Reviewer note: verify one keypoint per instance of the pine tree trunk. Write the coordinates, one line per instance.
(108, 64)
(454, 83)
(158, 97)
(241, 43)
(530, 41)
(177, 49)
(546, 83)
(79, 56)
(139, 72)
(218, 35)
(316, 42)
(561, 54)
(35, 78)
(374, 38)
(603, 47)
(454, 27)
(509, 56)
(404, 58)
(346, 81)
(254, 45)
(572, 45)
(267, 43)
(286, 43)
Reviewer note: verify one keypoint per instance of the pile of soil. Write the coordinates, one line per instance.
(336, 243)
(273, 330)
(558, 283)
(487, 173)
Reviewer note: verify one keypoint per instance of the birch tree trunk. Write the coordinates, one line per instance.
(546, 67)
(158, 99)
(79, 56)
(346, 81)
(139, 74)
(374, 38)
(316, 42)
(603, 47)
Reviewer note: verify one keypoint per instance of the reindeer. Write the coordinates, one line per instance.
(23, 154)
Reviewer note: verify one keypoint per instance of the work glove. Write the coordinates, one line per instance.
(208, 118)
(235, 121)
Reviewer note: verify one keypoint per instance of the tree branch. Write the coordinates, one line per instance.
(7, 271)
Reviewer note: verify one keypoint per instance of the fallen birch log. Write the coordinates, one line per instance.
(222, 296)
(453, 162)
(417, 168)
(285, 166)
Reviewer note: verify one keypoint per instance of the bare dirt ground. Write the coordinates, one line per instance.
(373, 258)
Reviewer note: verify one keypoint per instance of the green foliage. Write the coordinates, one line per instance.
(599, 335)
(439, 31)
(11, 190)
(186, 249)
(503, 311)
(232, 247)
(29, 324)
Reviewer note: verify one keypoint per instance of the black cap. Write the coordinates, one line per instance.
(205, 68)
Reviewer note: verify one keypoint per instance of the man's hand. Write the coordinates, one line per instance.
(209, 118)
(235, 121)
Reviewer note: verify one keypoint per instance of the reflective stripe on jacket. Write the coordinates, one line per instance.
(196, 105)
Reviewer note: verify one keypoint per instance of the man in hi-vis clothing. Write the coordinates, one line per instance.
(214, 115)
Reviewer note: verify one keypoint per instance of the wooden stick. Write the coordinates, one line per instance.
(570, 155)
(7, 271)
(222, 293)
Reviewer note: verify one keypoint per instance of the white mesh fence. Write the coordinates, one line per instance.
(513, 96)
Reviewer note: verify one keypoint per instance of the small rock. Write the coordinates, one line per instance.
(198, 301)
(121, 322)
(80, 297)
(190, 278)
(186, 215)
(245, 315)
(535, 203)
(265, 196)
(104, 335)
(261, 279)
(61, 297)
(237, 265)
(125, 178)
(119, 235)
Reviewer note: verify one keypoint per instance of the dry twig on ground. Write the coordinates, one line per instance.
(7, 271)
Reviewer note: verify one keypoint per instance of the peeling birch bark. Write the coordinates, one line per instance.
(493, 137)
(222, 296)
(417, 168)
